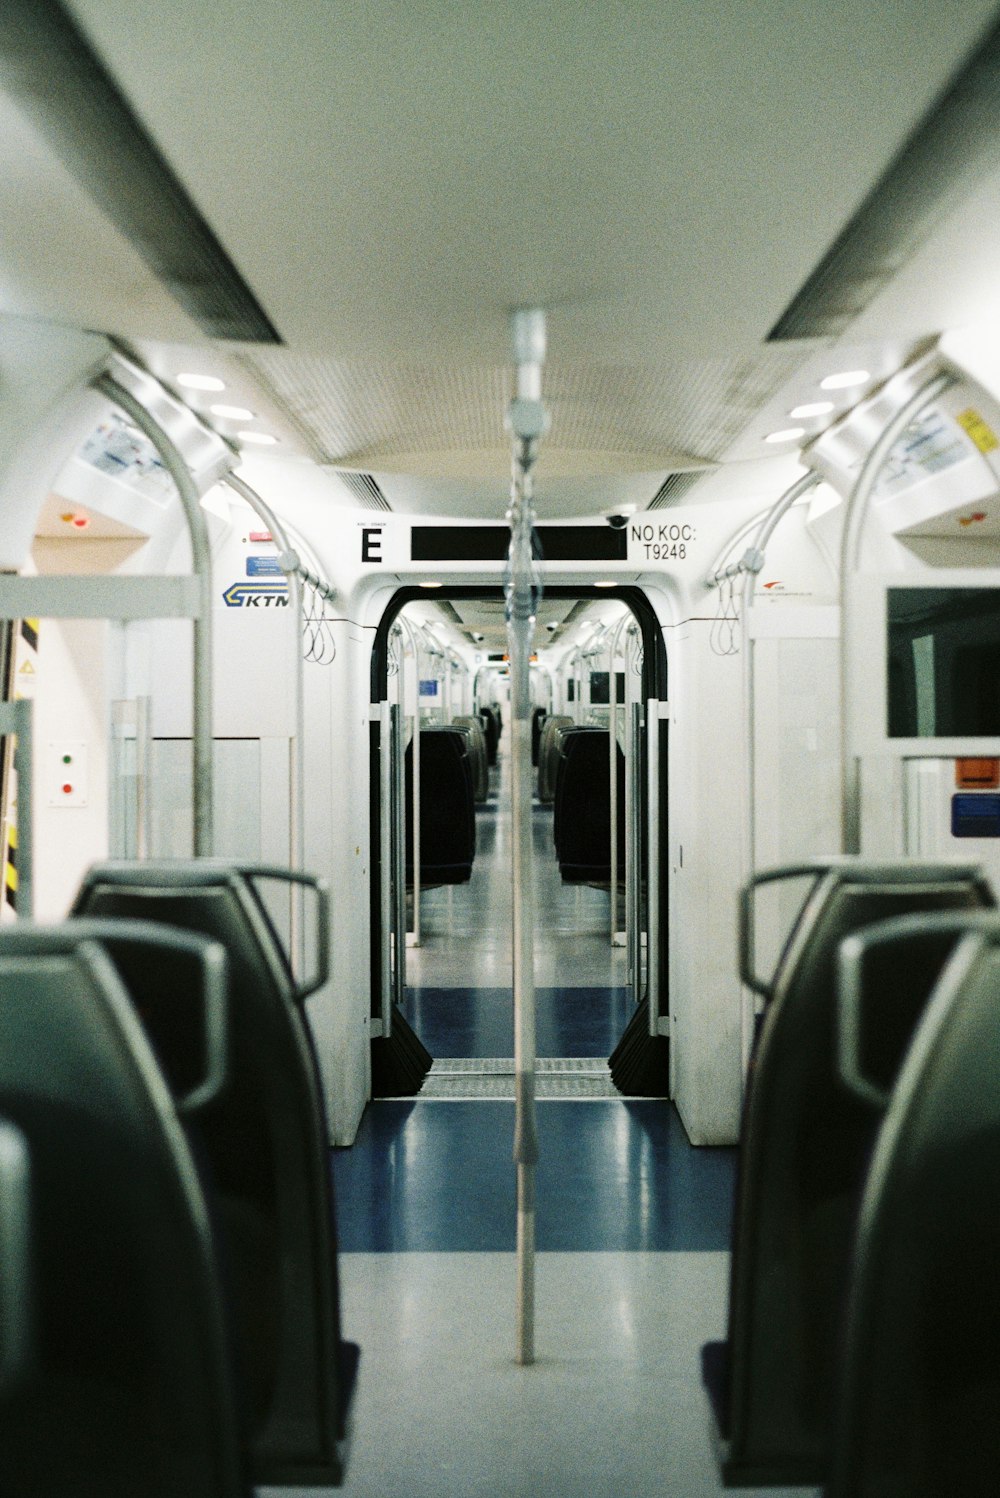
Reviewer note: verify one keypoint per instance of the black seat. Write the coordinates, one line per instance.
(478, 760)
(804, 1149)
(17, 1348)
(492, 728)
(266, 1142)
(130, 1387)
(548, 755)
(920, 1401)
(581, 826)
(537, 719)
(447, 809)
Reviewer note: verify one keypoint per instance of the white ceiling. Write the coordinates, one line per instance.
(393, 177)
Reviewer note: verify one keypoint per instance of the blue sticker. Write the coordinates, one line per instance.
(977, 815)
(263, 567)
(429, 688)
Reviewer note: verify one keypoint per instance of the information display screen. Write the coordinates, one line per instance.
(943, 650)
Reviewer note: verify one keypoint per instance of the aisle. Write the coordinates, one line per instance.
(466, 928)
(632, 1229)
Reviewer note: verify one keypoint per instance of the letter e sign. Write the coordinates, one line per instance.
(371, 543)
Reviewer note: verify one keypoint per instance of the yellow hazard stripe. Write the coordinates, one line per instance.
(29, 632)
(10, 869)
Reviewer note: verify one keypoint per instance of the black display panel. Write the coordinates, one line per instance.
(600, 687)
(491, 543)
(943, 660)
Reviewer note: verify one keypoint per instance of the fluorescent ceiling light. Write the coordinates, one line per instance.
(263, 439)
(235, 413)
(814, 408)
(200, 382)
(609, 584)
(430, 585)
(790, 434)
(846, 380)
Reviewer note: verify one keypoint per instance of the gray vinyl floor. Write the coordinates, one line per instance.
(612, 1406)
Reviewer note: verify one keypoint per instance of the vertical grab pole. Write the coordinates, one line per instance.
(399, 838)
(290, 563)
(613, 769)
(527, 422)
(850, 558)
(414, 771)
(143, 775)
(201, 556)
(754, 561)
(653, 863)
(385, 862)
(634, 854)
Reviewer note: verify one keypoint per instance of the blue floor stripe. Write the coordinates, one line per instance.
(480, 1021)
(438, 1177)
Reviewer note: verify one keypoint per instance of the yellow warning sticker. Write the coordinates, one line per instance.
(26, 670)
(982, 434)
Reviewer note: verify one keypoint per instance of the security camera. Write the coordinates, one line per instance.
(617, 522)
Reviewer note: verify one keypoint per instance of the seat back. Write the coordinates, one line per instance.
(581, 824)
(548, 755)
(804, 1150)
(473, 728)
(537, 719)
(920, 1401)
(130, 1388)
(16, 1290)
(490, 717)
(447, 811)
(266, 1142)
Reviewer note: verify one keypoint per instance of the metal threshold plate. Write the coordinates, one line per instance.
(467, 1078)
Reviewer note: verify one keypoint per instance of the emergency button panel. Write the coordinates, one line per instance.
(66, 773)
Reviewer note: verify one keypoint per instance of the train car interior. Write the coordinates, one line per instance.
(499, 749)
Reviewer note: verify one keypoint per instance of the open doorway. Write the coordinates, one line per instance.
(442, 905)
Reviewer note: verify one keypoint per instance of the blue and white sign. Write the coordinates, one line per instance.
(430, 691)
(263, 567)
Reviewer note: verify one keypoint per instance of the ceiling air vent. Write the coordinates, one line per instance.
(937, 166)
(365, 490)
(56, 78)
(673, 489)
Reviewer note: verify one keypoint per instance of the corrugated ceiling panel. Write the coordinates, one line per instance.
(353, 413)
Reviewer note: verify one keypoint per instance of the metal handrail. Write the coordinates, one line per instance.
(201, 559)
(850, 555)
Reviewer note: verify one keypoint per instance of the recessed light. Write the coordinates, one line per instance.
(610, 584)
(815, 408)
(790, 434)
(430, 585)
(235, 413)
(200, 382)
(846, 380)
(262, 439)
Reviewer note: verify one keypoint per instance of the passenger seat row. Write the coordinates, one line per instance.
(864, 1294)
(169, 1310)
(573, 774)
